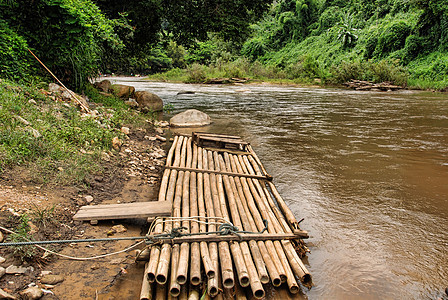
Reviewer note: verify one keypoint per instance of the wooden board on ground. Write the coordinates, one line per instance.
(124, 211)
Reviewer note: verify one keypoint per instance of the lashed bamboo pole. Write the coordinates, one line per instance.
(205, 254)
(151, 268)
(212, 284)
(266, 249)
(237, 216)
(195, 263)
(221, 211)
(247, 223)
(146, 291)
(174, 285)
(182, 270)
(273, 251)
(165, 254)
(294, 261)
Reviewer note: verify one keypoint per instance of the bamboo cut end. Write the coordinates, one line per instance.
(213, 291)
(161, 279)
(306, 278)
(276, 282)
(259, 294)
(283, 278)
(228, 283)
(244, 281)
(264, 279)
(294, 289)
(211, 274)
(151, 277)
(181, 279)
(195, 280)
(175, 291)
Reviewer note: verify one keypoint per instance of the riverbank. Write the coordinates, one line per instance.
(56, 158)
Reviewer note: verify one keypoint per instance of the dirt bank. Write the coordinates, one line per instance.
(129, 175)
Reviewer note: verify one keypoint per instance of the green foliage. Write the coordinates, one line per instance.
(43, 215)
(67, 35)
(14, 59)
(380, 71)
(346, 31)
(392, 38)
(196, 73)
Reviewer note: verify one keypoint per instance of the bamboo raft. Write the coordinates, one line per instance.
(209, 187)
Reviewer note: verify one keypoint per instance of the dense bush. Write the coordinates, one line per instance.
(15, 61)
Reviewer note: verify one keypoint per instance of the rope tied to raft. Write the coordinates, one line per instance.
(223, 229)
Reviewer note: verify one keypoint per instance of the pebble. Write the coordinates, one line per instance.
(2, 260)
(159, 130)
(51, 279)
(32, 293)
(2, 272)
(150, 138)
(89, 199)
(18, 270)
(32, 101)
(125, 130)
(44, 273)
(161, 138)
(1, 237)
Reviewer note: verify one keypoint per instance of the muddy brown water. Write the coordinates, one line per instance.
(368, 172)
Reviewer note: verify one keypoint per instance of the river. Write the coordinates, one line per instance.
(368, 172)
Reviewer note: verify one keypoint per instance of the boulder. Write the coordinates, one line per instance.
(190, 118)
(65, 95)
(122, 91)
(149, 101)
(103, 86)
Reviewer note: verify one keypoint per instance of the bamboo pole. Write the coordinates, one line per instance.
(248, 223)
(221, 211)
(205, 255)
(174, 285)
(212, 284)
(146, 291)
(237, 217)
(294, 262)
(165, 253)
(182, 270)
(195, 263)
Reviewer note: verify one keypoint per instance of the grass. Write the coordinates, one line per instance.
(53, 140)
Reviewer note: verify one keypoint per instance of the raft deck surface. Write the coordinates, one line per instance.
(213, 176)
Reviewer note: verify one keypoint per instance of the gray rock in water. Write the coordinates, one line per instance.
(32, 293)
(5, 295)
(190, 118)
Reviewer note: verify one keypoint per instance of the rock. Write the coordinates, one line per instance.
(2, 272)
(148, 101)
(89, 199)
(122, 91)
(117, 229)
(103, 86)
(116, 143)
(55, 88)
(131, 103)
(1, 237)
(32, 293)
(161, 138)
(125, 130)
(190, 118)
(5, 295)
(65, 95)
(2, 260)
(159, 130)
(18, 270)
(32, 101)
(150, 138)
(44, 273)
(51, 279)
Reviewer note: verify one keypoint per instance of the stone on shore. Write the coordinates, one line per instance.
(103, 85)
(190, 118)
(51, 279)
(32, 293)
(148, 101)
(5, 295)
(122, 91)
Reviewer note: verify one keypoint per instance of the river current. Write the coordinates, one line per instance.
(368, 172)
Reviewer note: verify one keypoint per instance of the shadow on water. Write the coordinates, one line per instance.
(368, 171)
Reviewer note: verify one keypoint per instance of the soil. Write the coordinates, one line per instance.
(131, 174)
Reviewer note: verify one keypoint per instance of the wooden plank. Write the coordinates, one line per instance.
(206, 134)
(260, 177)
(124, 211)
(234, 237)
